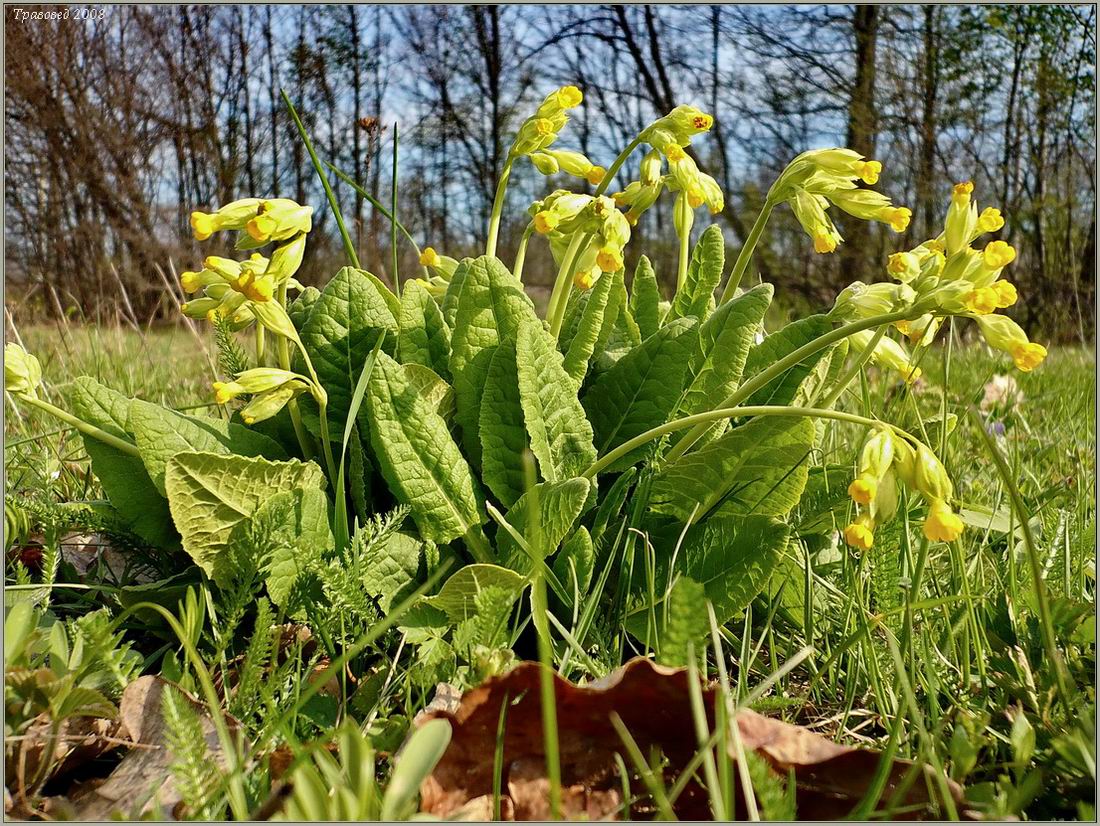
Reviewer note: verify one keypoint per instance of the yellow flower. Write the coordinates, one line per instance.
(990, 220)
(584, 279)
(1004, 334)
(224, 392)
(942, 524)
(568, 96)
(429, 257)
(595, 175)
(203, 225)
(278, 219)
(233, 215)
(824, 243)
(544, 127)
(609, 259)
(859, 534)
(897, 218)
(998, 254)
(545, 221)
(904, 266)
(1029, 356)
(1006, 293)
(863, 489)
(868, 171)
(982, 300)
(256, 287)
(962, 191)
(675, 154)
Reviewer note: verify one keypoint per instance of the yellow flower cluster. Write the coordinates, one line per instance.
(668, 136)
(886, 460)
(542, 128)
(959, 279)
(270, 388)
(234, 289)
(562, 215)
(243, 292)
(821, 178)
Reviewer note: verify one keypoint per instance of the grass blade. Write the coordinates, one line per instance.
(349, 247)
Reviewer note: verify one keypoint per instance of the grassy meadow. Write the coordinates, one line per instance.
(931, 652)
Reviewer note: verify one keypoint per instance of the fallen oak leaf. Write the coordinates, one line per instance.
(143, 782)
(653, 702)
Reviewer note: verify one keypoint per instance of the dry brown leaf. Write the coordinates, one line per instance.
(143, 780)
(653, 702)
(78, 740)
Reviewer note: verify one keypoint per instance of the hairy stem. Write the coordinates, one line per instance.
(710, 416)
(747, 250)
(84, 427)
(304, 440)
(559, 298)
(521, 253)
(617, 165)
(498, 206)
(787, 362)
(685, 242)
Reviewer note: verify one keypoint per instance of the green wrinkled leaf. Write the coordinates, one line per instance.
(423, 337)
(708, 259)
(645, 298)
(417, 456)
(616, 331)
(581, 344)
(559, 431)
(724, 342)
(432, 388)
(731, 557)
(161, 433)
(686, 623)
(503, 436)
(574, 564)
(560, 503)
(491, 307)
(449, 305)
(758, 468)
(457, 597)
(124, 478)
(360, 469)
(286, 534)
(300, 308)
(210, 494)
(641, 390)
(782, 389)
(391, 569)
(353, 310)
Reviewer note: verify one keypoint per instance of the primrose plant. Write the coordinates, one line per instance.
(521, 448)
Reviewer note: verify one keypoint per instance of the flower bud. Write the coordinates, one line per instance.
(22, 372)
(929, 476)
(266, 405)
(544, 163)
(286, 259)
(903, 266)
(962, 218)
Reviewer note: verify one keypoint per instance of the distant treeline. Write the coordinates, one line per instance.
(116, 128)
